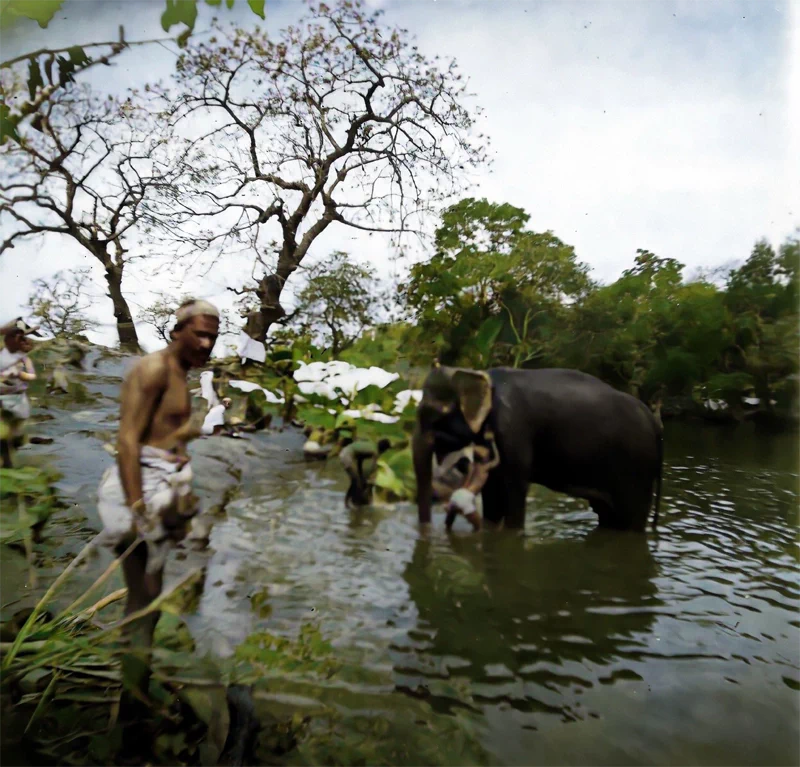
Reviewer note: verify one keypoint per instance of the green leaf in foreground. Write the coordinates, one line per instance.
(40, 11)
(177, 12)
(8, 125)
(257, 6)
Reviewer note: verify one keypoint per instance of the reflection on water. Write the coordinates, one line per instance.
(543, 647)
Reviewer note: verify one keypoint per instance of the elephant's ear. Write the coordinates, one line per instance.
(474, 389)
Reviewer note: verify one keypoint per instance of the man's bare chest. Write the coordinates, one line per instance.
(175, 405)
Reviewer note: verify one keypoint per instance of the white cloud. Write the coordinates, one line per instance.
(666, 125)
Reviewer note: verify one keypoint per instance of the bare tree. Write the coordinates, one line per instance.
(61, 302)
(160, 315)
(84, 167)
(340, 120)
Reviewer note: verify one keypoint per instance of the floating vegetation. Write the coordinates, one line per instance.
(63, 680)
(27, 500)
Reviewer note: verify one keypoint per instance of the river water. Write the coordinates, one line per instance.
(562, 645)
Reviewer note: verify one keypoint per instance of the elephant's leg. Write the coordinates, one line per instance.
(639, 508)
(516, 496)
(631, 507)
(503, 498)
(492, 500)
(604, 511)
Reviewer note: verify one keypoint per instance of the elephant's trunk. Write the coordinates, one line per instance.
(422, 450)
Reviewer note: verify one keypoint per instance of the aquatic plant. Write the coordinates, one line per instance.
(27, 500)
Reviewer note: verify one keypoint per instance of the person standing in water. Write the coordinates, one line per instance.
(147, 494)
(16, 372)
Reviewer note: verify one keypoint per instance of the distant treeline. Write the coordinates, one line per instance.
(495, 293)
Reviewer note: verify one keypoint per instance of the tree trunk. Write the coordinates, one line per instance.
(126, 330)
(270, 311)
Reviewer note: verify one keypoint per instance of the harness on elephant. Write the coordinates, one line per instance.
(457, 409)
(462, 454)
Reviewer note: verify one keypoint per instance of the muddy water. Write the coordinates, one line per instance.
(540, 648)
(560, 646)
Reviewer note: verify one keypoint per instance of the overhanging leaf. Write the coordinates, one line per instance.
(177, 12)
(386, 479)
(40, 11)
(257, 6)
(8, 125)
(78, 56)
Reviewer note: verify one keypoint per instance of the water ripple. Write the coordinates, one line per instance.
(561, 625)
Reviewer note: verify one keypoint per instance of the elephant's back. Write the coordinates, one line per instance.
(569, 400)
(555, 385)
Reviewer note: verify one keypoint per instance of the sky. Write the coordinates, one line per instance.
(621, 124)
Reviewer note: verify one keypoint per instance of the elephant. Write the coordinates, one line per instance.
(556, 427)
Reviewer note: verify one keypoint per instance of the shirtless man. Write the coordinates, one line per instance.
(463, 500)
(147, 494)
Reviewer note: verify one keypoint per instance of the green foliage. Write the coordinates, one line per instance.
(483, 294)
(383, 346)
(268, 654)
(179, 12)
(40, 11)
(395, 477)
(339, 300)
(64, 675)
(494, 293)
(27, 500)
(41, 74)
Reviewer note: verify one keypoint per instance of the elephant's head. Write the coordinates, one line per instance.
(455, 401)
(451, 415)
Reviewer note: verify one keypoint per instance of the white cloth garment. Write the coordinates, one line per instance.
(207, 389)
(14, 402)
(16, 405)
(463, 500)
(214, 417)
(12, 362)
(165, 485)
(249, 348)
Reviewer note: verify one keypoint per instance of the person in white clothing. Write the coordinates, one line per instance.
(16, 372)
(214, 422)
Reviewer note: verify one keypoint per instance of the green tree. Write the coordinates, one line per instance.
(762, 299)
(493, 291)
(338, 301)
(618, 332)
(384, 345)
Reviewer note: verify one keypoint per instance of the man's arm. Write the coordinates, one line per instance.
(139, 397)
(29, 374)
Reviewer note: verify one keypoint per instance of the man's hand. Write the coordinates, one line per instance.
(138, 515)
